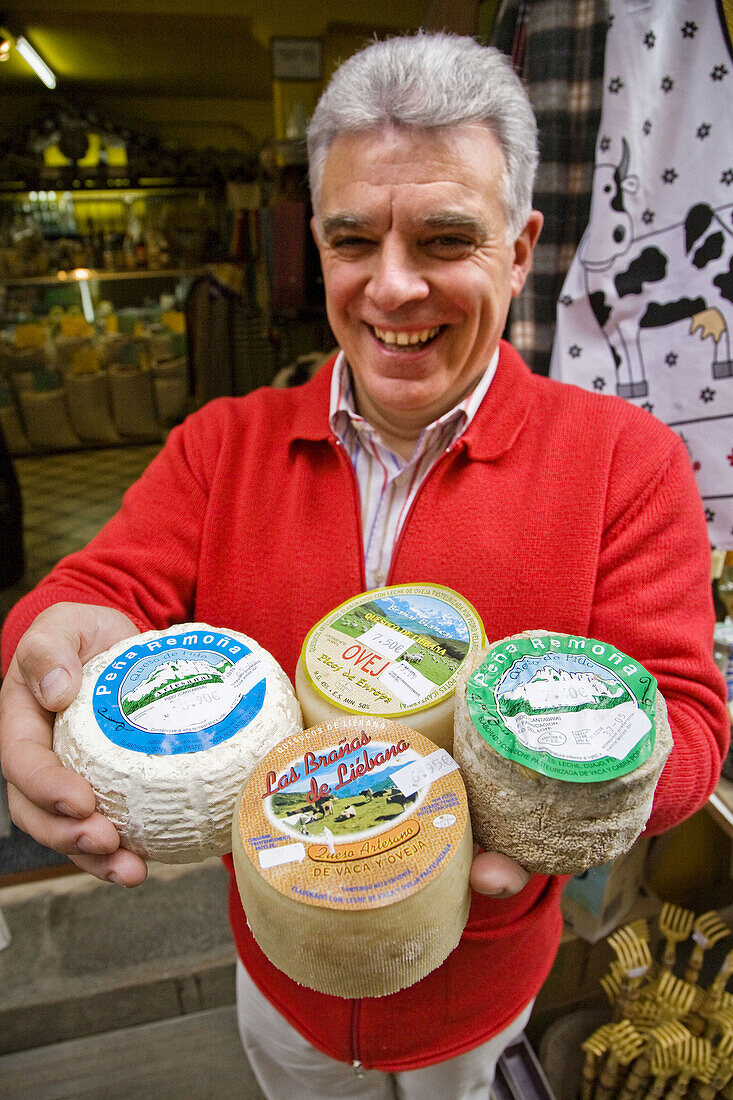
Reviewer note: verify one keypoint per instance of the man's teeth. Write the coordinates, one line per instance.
(406, 339)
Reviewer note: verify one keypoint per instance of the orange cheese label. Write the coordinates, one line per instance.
(354, 813)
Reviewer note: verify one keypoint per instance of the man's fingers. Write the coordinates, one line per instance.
(91, 835)
(497, 875)
(55, 806)
(123, 868)
(60, 640)
(36, 770)
(27, 758)
(92, 843)
(48, 662)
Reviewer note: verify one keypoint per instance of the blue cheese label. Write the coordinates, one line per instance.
(392, 651)
(568, 707)
(182, 692)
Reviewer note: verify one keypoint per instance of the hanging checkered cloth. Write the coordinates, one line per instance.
(558, 51)
(646, 311)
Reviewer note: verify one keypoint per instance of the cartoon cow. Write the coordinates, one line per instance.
(638, 265)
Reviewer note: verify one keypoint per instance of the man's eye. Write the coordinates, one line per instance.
(350, 244)
(446, 242)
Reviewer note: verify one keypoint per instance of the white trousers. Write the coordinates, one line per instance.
(287, 1066)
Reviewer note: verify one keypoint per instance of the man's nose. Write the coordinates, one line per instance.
(396, 278)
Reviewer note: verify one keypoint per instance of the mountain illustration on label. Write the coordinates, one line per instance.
(560, 690)
(171, 677)
(427, 613)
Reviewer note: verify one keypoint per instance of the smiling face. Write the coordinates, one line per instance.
(412, 234)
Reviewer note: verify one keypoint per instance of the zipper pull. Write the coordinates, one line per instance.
(358, 1068)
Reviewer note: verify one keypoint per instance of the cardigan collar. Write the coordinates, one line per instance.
(493, 430)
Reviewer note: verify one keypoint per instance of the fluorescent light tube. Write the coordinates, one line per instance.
(39, 66)
(86, 300)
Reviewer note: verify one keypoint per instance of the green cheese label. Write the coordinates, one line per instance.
(568, 707)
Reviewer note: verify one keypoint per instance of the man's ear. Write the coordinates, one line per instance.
(524, 251)
(314, 231)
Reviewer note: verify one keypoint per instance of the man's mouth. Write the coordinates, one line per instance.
(415, 341)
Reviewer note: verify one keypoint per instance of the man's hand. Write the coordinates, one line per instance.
(53, 805)
(497, 875)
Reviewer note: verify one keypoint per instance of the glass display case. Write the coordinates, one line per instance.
(92, 323)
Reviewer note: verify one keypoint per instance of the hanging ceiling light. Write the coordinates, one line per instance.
(36, 62)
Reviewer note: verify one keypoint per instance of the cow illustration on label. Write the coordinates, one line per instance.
(623, 264)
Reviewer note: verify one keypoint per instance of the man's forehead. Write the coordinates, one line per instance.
(444, 177)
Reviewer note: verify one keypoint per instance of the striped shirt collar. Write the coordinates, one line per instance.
(347, 425)
(388, 484)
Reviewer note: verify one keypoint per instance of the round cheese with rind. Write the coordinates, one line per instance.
(394, 652)
(352, 851)
(561, 741)
(166, 727)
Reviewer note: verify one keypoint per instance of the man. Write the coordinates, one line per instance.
(427, 452)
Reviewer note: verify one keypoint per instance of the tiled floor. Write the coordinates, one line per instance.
(66, 499)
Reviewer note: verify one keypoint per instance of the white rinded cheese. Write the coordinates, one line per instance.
(393, 652)
(166, 727)
(352, 850)
(561, 741)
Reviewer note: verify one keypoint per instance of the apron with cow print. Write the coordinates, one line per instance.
(646, 310)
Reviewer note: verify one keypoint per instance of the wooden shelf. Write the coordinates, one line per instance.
(68, 278)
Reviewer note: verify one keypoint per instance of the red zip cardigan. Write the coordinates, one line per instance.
(558, 509)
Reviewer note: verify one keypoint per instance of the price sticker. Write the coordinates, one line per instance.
(282, 854)
(421, 772)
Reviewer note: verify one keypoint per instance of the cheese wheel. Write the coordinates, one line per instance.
(352, 850)
(561, 741)
(166, 727)
(393, 652)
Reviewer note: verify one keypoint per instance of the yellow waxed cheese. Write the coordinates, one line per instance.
(352, 850)
(395, 652)
(166, 727)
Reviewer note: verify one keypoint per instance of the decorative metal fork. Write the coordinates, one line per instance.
(698, 1065)
(595, 1049)
(707, 930)
(624, 1045)
(677, 998)
(667, 1035)
(675, 924)
(634, 961)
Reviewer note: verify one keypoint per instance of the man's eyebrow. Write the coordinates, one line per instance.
(336, 222)
(439, 219)
(454, 219)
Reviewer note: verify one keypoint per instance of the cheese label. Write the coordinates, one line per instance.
(325, 821)
(568, 707)
(181, 692)
(393, 651)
